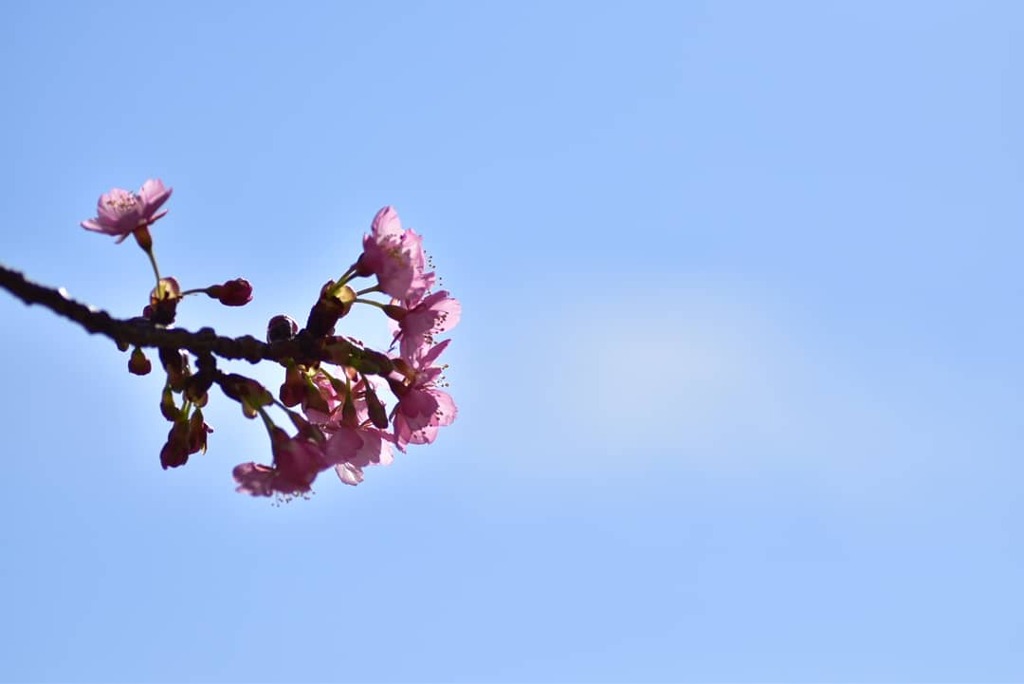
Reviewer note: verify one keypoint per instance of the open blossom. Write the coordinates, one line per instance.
(119, 212)
(436, 314)
(297, 462)
(353, 448)
(395, 256)
(352, 443)
(422, 407)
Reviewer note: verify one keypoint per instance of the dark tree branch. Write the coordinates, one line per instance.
(142, 333)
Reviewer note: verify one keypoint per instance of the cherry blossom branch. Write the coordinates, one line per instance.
(141, 332)
(327, 394)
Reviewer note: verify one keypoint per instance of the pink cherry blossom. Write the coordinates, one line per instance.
(436, 314)
(297, 462)
(120, 212)
(352, 443)
(255, 479)
(352, 449)
(395, 256)
(423, 407)
(330, 398)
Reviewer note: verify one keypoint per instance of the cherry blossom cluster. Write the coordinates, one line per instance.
(333, 390)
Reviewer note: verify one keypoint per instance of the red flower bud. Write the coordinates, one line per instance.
(197, 431)
(281, 328)
(237, 292)
(138, 364)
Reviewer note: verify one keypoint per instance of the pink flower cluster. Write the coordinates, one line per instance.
(347, 426)
(332, 384)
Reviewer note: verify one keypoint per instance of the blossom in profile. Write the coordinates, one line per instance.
(423, 407)
(395, 256)
(120, 212)
(353, 448)
(297, 462)
(436, 314)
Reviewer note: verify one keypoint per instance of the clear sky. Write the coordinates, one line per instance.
(739, 369)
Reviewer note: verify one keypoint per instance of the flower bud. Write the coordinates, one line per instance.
(378, 416)
(293, 389)
(281, 328)
(168, 408)
(138, 364)
(237, 292)
(197, 431)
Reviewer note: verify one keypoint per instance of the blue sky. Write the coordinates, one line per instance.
(739, 370)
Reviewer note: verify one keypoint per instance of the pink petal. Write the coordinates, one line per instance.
(446, 411)
(349, 474)
(343, 445)
(386, 223)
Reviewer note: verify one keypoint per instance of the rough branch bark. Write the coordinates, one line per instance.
(142, 333)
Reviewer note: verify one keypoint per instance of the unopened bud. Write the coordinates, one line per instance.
(293, 389)
(281, 328)
(237, 292)
(138, 364)
(378, 416)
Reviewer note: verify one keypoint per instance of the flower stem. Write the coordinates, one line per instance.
(156, 269)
